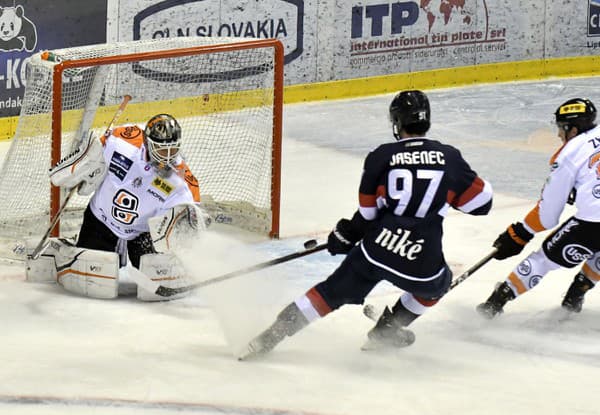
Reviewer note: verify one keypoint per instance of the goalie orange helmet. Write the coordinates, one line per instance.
(162, 137)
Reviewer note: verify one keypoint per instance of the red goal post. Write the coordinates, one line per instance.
(226, 93)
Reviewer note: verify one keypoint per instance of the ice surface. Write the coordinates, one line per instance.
(62, 354)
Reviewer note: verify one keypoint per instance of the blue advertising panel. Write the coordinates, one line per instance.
(28, 26)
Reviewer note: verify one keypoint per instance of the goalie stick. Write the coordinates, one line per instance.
(37, 251)
(373, 313)
(311, 248)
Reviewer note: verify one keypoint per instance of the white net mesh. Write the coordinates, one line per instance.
(224, 102)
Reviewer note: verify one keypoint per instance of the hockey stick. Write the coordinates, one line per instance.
(473, 268)
(35, 254)
(373, 313)
(310, 248)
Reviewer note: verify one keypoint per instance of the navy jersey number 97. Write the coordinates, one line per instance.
(419, 187)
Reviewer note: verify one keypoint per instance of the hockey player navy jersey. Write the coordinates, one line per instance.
(405, 192)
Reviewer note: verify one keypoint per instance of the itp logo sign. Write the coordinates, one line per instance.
(593, 17)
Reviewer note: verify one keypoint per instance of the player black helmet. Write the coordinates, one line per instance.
(576, 112)
(163, 141)
(410, 111)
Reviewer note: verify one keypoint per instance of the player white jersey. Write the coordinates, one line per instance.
(576, 165)
(132, 191)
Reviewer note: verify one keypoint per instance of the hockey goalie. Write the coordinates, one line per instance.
(145, 204)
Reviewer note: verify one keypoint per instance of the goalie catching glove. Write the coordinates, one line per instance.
(85, 168)
(178, 226)
(512, 241)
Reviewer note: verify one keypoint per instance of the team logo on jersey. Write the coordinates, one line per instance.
(596, 191)
(163, 185)
(119, 165)
(535, 280)
(129, 132)
(595, 160)
(524, 268)
(575, 253)
(125, 206)
(137, 182)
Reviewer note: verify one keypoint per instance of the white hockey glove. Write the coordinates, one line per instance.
(85, 167)
(178, 226)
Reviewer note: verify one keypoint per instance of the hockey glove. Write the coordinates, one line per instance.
(512, 241)
(85, 168)
(343, 237)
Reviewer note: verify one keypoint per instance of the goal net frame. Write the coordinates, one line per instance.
(57, 110)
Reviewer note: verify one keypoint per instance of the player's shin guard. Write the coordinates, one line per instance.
(573, 300)
(289, 321)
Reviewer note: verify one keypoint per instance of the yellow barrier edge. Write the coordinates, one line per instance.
(445, 78)
(351, 88)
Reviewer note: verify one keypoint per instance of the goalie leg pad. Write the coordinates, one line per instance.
(164, 269)
(91, 273)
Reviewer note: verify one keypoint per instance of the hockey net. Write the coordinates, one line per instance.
(226, 94)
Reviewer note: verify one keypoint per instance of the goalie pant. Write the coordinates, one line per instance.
(132, 192)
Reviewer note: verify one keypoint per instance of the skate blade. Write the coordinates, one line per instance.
(408, 338)
(253, 350)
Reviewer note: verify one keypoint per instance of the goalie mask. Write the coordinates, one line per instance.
(162, 137)
(577, 112)
(410, 111)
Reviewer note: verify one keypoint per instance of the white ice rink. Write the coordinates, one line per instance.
(62, 354)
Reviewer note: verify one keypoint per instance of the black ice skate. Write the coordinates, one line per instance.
(573, 300)
(495, 304)
(388, 333)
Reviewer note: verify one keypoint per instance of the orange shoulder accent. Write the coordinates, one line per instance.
(190, 179)
(533, 219)
(131, 134)
(555, 155)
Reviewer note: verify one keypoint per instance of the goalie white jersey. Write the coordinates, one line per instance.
(132, 191)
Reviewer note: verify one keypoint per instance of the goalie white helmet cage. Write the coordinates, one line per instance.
(162, 136)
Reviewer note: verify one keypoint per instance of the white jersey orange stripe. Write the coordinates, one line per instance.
(575, 166)
(132, 191)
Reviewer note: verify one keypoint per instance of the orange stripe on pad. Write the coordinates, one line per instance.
(318, 302)
(517, 283)
(590, 273)
(85, 274)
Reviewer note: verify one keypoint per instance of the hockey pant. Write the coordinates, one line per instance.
(573, 242)
(356, 277)
(96, 235)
